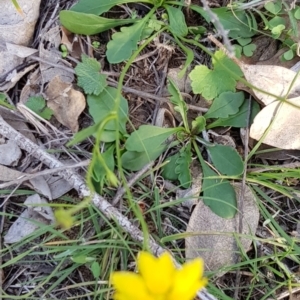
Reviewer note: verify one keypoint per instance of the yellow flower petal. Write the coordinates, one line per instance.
(188, 281)
(158, 273)
(129, 286)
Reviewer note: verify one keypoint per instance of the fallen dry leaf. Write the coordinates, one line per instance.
(66, 103)
(272, 79)
(284, 131)
(48, 51)
(215, 241)
(18, 30)
(37, 211)
(10, 153)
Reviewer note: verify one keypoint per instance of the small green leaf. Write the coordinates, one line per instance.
(88, 24)
(96, 270)
(3, 102)
(89, 77)
(218, 194)
(244, 42)
(277, 30)
(177, 100)
(273, 7)
(148, 137)
(177, 21)
(38, 105)
(228, 103)
(102, 105)
(134, 161)
(238, 51)
(211, 83)
(123, 43)
(182, 168)
(168, 170)
(238, 120)
(249, 49)
(226, 160)
(82, 259)
(297, 13)
(83, 134)
(288, 55)
(235, 23)
(198, 125)
(98, 170)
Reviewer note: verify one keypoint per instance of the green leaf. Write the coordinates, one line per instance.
(226, 160)
(249, 49)
(244, 42)
(102, 105)
(236, 24)
(95, 268)
(182, 168)
(97, 7)
(297, 13)
(228, 103)
(123, 43)
(178, 102)
(211, 83)
(198, 125)
(83, 134)
(177, 21)
(3, 102)
(238, 120)
(134, 161)
(288, 55)
(148, 137)
(89, 77)
(88, 24)
(218, 194)
(99, 171)
(168, 170)
(273, 7)
(38, 105)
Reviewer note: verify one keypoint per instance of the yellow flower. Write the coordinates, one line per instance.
(159, 279)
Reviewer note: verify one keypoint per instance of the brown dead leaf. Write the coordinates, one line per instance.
(66, 103)
(215, 241)
(70, 40)
(284, 131)
(272, 79)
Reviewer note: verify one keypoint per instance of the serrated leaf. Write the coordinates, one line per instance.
(89, 24)
(99, 7)
(177, 21)
(236, 24)
(168, 170)
(218, 194)
(148, 137)
(228, 103)
(183, 164)
(102, 105)
(238, 120)
(134, 161)
(226, 160)
(211, 83)
(89, 77)
(123, 43)
(38, 105)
